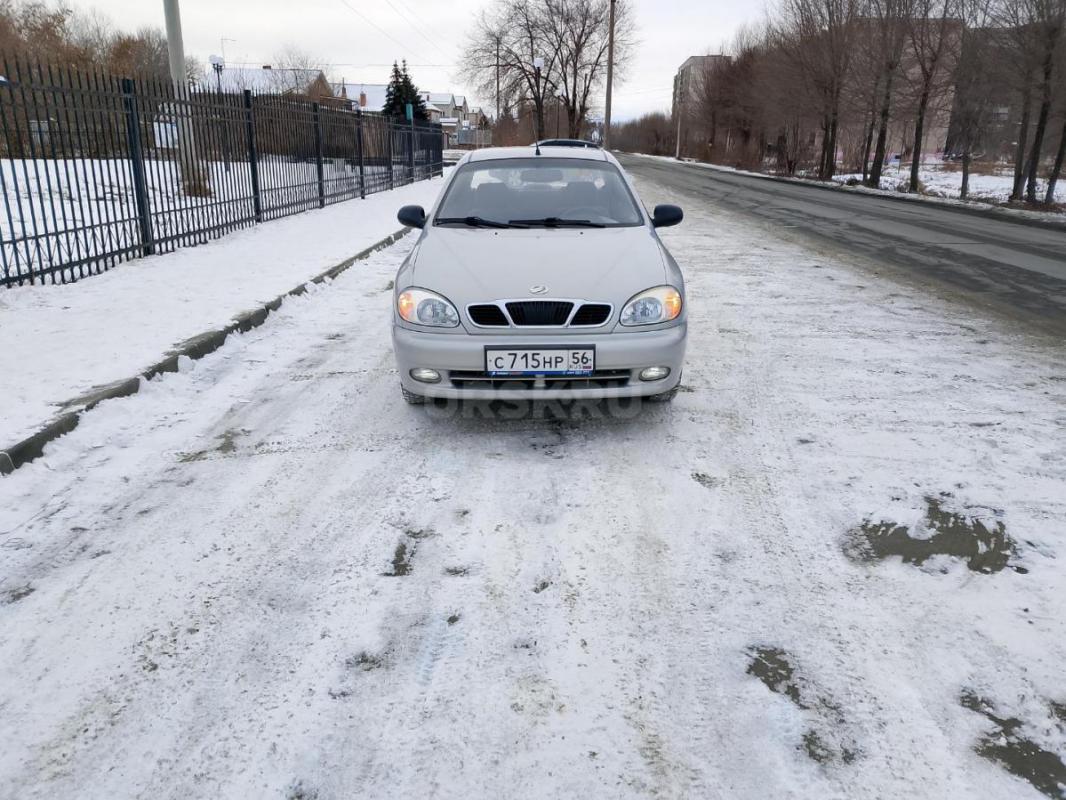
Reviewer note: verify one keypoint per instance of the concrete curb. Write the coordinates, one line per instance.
(197, 347)
(988, 211)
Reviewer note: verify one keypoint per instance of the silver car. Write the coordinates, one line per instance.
(538, 274)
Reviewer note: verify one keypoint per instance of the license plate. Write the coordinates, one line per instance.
(540, 360)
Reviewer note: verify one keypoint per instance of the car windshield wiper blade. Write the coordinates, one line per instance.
(476, 222)
(559, 222)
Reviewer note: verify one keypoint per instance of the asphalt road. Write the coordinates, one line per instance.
(1009, 267)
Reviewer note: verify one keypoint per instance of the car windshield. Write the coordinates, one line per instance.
(539, 191)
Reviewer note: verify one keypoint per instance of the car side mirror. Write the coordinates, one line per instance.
(412, 216)
(665, 216)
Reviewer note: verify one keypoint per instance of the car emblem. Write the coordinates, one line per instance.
(538, 289)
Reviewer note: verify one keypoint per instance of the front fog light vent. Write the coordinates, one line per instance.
(425, 375)
(654, 373)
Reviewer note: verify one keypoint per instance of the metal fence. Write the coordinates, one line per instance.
(96, 169)
(474, 137)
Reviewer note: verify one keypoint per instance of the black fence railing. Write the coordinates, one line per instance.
(96, 169)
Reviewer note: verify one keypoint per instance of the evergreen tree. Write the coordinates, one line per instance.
(394, 98)
(414, 97)
(401, 91)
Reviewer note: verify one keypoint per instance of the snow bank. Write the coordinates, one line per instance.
(943, 186)
(942, 182)
(59, 342)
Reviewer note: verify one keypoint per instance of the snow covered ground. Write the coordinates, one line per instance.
(87, 208)
(267, 577)
(59, 341)
(941, 181)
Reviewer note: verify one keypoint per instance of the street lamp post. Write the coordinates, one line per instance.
(218, 64)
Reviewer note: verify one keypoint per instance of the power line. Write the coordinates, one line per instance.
(643, 91)
(369, 22)
(415, 27)
(338, 64)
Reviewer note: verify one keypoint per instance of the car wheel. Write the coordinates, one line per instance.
(663, 397)
(411, 398)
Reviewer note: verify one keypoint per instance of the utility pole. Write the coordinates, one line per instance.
(610, 79)
(680, 89)
(538, 64)
(677, 148)
(175, 47)
(192, 175)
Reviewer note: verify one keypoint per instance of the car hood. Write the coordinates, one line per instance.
(478, 265)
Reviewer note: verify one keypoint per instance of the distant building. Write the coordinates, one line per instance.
(449, 105)
(461, 124)
(309, 84)
(689, 78)
(365, 96)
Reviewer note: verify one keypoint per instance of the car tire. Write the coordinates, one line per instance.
(663, 397)
(411, 398)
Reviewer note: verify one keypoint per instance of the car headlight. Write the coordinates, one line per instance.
(659, 304)
(423, 307)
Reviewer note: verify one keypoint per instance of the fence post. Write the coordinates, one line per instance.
(318, 157)
(391, 129)
(438, 151)
(412, 149)
(253, 155)
(140, 186)
(362, 162)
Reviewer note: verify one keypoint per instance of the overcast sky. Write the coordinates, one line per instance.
(359, 39)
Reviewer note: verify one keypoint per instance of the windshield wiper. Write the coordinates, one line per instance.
(559, 222)
(476, 222)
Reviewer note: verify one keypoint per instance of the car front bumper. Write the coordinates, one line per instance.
(460, 359)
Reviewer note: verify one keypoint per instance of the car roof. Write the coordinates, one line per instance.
(496, 153)
(567, 143)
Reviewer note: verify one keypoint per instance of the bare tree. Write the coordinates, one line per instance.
(817, 38)
(142, 53)
(568, 36)
(292, 66)
(57, 34)
(889, 20)
(713, 106)
(974, 80)
(1025, 25)
(1047, 19)
(503, 47)
(978, 77)
(933, 45)
(577, 30)
(1060, 154)
(652, 133)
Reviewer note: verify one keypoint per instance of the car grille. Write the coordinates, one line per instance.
(599, 379)
(539, 312)
(591, 314)
(488, 315)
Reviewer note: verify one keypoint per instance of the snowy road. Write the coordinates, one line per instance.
(267, 577)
